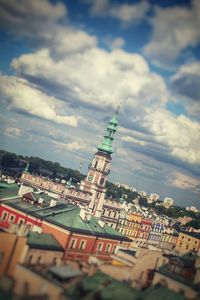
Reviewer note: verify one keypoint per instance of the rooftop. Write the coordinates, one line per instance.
(8, 190)
(186, 262)
(64, 272)
(43, 241)
(67, 216)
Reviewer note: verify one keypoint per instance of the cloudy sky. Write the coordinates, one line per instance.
(65, 67)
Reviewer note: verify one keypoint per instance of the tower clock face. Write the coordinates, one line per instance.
(90, 178)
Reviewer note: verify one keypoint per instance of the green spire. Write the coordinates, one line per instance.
(69, 182)
(106, 144)
(122, 198)
(27, 167)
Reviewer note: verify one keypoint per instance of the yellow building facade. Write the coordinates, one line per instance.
(188, 242)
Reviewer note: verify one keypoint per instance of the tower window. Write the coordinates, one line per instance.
(96, 163)
(102, 181)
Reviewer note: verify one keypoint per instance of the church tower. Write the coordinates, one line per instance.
(99, 169)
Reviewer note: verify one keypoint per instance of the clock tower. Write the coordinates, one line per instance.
(99, 169)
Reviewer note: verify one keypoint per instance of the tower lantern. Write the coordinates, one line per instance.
(100, 168)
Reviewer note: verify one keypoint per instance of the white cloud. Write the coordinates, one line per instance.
(13, 131)
(71, 146)
(131, 139)
(174, 29)
(96, 77)
(183, 181)
(185, 85)
(26, 98)
(30, 18)
(125, 13)
(129, 13)
(99, 7)
(180, 134)
(118, 42)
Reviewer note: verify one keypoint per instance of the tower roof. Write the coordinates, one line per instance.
(106, 144)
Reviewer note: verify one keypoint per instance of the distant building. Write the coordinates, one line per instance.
(153, 197)
(167, 202)
(143, 193)
(192, 208)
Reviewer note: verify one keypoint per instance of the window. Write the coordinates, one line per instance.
(4, 215)
(188, 239)
(21, 221)
(114, 248)
(96, 163)
(30, 259)
(108, 248)
(54, 261)
(72, 243)
(100, 247)
(183, 237)
(12, 218)
(186, 247)
(101, 181)
(39, 259)
(82, 245)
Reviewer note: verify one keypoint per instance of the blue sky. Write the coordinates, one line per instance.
(65, 67)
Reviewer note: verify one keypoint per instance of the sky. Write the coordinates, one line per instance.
(65, 66)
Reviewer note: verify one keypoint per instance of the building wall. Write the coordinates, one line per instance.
(13, 249)
(174, 285)
(186, 243)
(43, 256)
(26, 280)
(65, 237)
(146, 260)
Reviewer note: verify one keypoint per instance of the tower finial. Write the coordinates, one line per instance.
(118, 108)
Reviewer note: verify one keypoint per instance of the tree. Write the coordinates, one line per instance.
(194, 224)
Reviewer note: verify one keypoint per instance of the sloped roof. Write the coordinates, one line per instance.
(43, 241)
(67, 216)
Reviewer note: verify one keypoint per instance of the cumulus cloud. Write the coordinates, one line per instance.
(125, 13)
(185, 87)
(174, 29)
(180, 134)
(23, 97)
(186, 81)
(103, 78)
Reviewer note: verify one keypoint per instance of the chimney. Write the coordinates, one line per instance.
(101, 223)
(53, 203)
